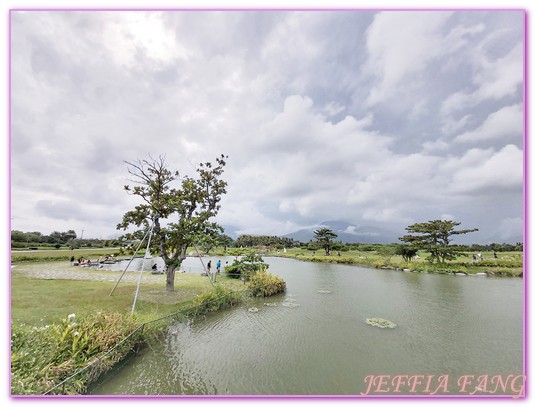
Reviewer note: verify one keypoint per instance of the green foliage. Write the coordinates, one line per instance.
(325, 238)
(386, 252)
(495, 263)
(214, 300)
(264, 284)
(368, 247)
(165, 195)
(225, 241)
(42, 357)
(407, 252)
(312, 246)
(247, 266)
(237, 252)
(434, 237)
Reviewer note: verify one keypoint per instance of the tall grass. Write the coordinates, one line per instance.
(41, 357)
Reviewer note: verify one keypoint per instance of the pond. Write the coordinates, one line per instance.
(313, 339)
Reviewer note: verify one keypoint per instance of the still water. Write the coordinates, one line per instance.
(447, 326)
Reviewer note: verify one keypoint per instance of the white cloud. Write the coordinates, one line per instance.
(480, 171)
(494, 79)
(451, 125)
(399, 45)
(402, 47)
(506, 123)
(268, 89)
(435, 146)
(129, 35)
(333, 108)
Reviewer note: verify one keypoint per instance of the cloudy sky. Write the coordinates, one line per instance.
(374, 118)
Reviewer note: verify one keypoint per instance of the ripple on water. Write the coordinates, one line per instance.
(289, 304)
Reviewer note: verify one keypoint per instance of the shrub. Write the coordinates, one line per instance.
(407, 252)
(18, 245)
(264, 284)
(247, 266)
(214, 300)
(233, 271)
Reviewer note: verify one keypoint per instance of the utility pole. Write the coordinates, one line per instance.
(82, 236)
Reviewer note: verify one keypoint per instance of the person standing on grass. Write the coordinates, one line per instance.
(209, 265)
(218, 266)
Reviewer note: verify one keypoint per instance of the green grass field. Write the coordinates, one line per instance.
(38, 301)
(510, 263)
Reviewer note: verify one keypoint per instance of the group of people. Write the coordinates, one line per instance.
(87, 262)
(217, 265)
(479, 256)
(80, 262)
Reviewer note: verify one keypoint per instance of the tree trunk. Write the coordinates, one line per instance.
(171, 268)
(170, 278)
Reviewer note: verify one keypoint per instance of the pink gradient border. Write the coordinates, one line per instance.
(54, 398)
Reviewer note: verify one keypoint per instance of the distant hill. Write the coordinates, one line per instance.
(348, 233)
(230, 231)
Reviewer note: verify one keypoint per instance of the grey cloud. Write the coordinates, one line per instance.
(62, 210)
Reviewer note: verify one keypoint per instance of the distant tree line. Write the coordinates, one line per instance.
(56, 239)
(21, 239)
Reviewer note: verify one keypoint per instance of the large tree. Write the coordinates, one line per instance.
(325, 238)
(435, 237)
(180, 207)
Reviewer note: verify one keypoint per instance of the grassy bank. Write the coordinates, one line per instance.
(508, 264)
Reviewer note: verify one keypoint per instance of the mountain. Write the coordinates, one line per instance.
(230, 231)
(349, 233)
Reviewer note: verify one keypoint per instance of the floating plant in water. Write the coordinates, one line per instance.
(324, 291)
(253, 309)
(380, 322)
(289, 304)
(270, 304)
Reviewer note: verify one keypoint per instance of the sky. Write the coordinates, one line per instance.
(423, 95)
(375, 118)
